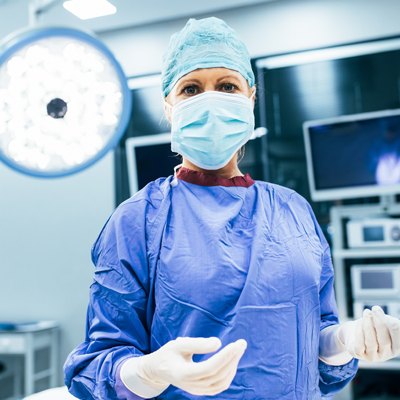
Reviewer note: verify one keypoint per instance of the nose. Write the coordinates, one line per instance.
(209, 86)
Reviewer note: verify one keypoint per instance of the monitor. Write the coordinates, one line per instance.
(353, 156)
(141, 152)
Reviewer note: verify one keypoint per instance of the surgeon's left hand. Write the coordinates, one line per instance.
(375, 337)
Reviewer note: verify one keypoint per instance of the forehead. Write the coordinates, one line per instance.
(207, 74)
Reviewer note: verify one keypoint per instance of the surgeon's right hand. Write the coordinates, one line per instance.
(172, 364)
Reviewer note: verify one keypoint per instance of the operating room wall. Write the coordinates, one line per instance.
(270, 28)
(47, 228)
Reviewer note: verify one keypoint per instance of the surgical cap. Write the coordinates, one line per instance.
(204, 43)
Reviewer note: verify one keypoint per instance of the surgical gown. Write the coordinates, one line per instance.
(200, 256)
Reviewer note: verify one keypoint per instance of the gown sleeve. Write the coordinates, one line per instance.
(116, 325)
(332, 378)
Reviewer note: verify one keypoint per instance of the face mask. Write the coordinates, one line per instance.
(209, 128)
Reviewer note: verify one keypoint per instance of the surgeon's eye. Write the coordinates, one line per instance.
(190, 90)
(229, 87)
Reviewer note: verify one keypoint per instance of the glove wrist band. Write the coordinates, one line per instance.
(134, 379)
(331, 350)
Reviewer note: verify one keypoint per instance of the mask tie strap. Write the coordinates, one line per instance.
(174, 181)
(175, 168)
(252, 96)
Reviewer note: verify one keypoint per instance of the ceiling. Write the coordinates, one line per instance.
(14, 13)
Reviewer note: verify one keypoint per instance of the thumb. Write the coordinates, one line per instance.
(190, 345)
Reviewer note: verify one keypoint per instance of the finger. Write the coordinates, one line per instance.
(216, 383)
(223, 373)
(211, 386)
(394, 328)
(359, 341)
(214, 365)
(371, 342)
(382, 330)
(225, 379)
(220, 386)
(223, 384)
(191, 345)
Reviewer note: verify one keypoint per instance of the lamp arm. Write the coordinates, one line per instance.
(38, 7)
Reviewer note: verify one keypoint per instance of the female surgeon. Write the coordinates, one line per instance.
(209, 283)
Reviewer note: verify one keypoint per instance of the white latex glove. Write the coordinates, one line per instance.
(375, 337)
(150, 375)
(331, 350)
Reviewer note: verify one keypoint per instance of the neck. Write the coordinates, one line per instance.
(229, 171)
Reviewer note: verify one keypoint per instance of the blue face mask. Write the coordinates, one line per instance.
(209, 128)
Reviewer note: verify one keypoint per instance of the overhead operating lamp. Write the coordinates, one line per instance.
(64, 101)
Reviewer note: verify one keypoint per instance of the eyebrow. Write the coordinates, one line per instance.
(226, 77)
(189, 80)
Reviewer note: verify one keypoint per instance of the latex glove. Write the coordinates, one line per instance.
(331, 350)
(375, 337)
(150, 375)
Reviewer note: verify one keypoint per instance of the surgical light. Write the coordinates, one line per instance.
(64, 101)
(86, 9)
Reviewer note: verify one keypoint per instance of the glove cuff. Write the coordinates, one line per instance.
(132, 378)
(332, 350)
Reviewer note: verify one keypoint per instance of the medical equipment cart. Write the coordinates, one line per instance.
(343, 256)
(28, 358)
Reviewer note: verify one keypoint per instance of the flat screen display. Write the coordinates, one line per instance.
(154, 161)
(377, 280)
(356, 153)
(373, 234)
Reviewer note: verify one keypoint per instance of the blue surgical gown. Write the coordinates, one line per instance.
(199, 260)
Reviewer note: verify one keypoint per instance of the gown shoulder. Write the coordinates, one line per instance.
(131, 217)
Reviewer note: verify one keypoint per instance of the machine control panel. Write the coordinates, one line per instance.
(391, 308)
(373, 232)
(377, 281)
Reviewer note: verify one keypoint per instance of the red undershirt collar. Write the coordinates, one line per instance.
(204, 179)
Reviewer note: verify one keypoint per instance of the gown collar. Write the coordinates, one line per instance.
(204, 179)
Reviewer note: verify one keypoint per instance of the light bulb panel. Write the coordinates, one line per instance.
(64, 101)
(86, 9)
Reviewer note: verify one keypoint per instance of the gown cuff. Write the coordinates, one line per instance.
(128, 377)
(331, 350)
(123, 393)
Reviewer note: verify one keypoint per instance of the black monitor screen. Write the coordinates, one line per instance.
(147, 116)
(356, 153)
(155, 161)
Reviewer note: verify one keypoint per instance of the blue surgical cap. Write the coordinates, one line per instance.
(204, 43)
